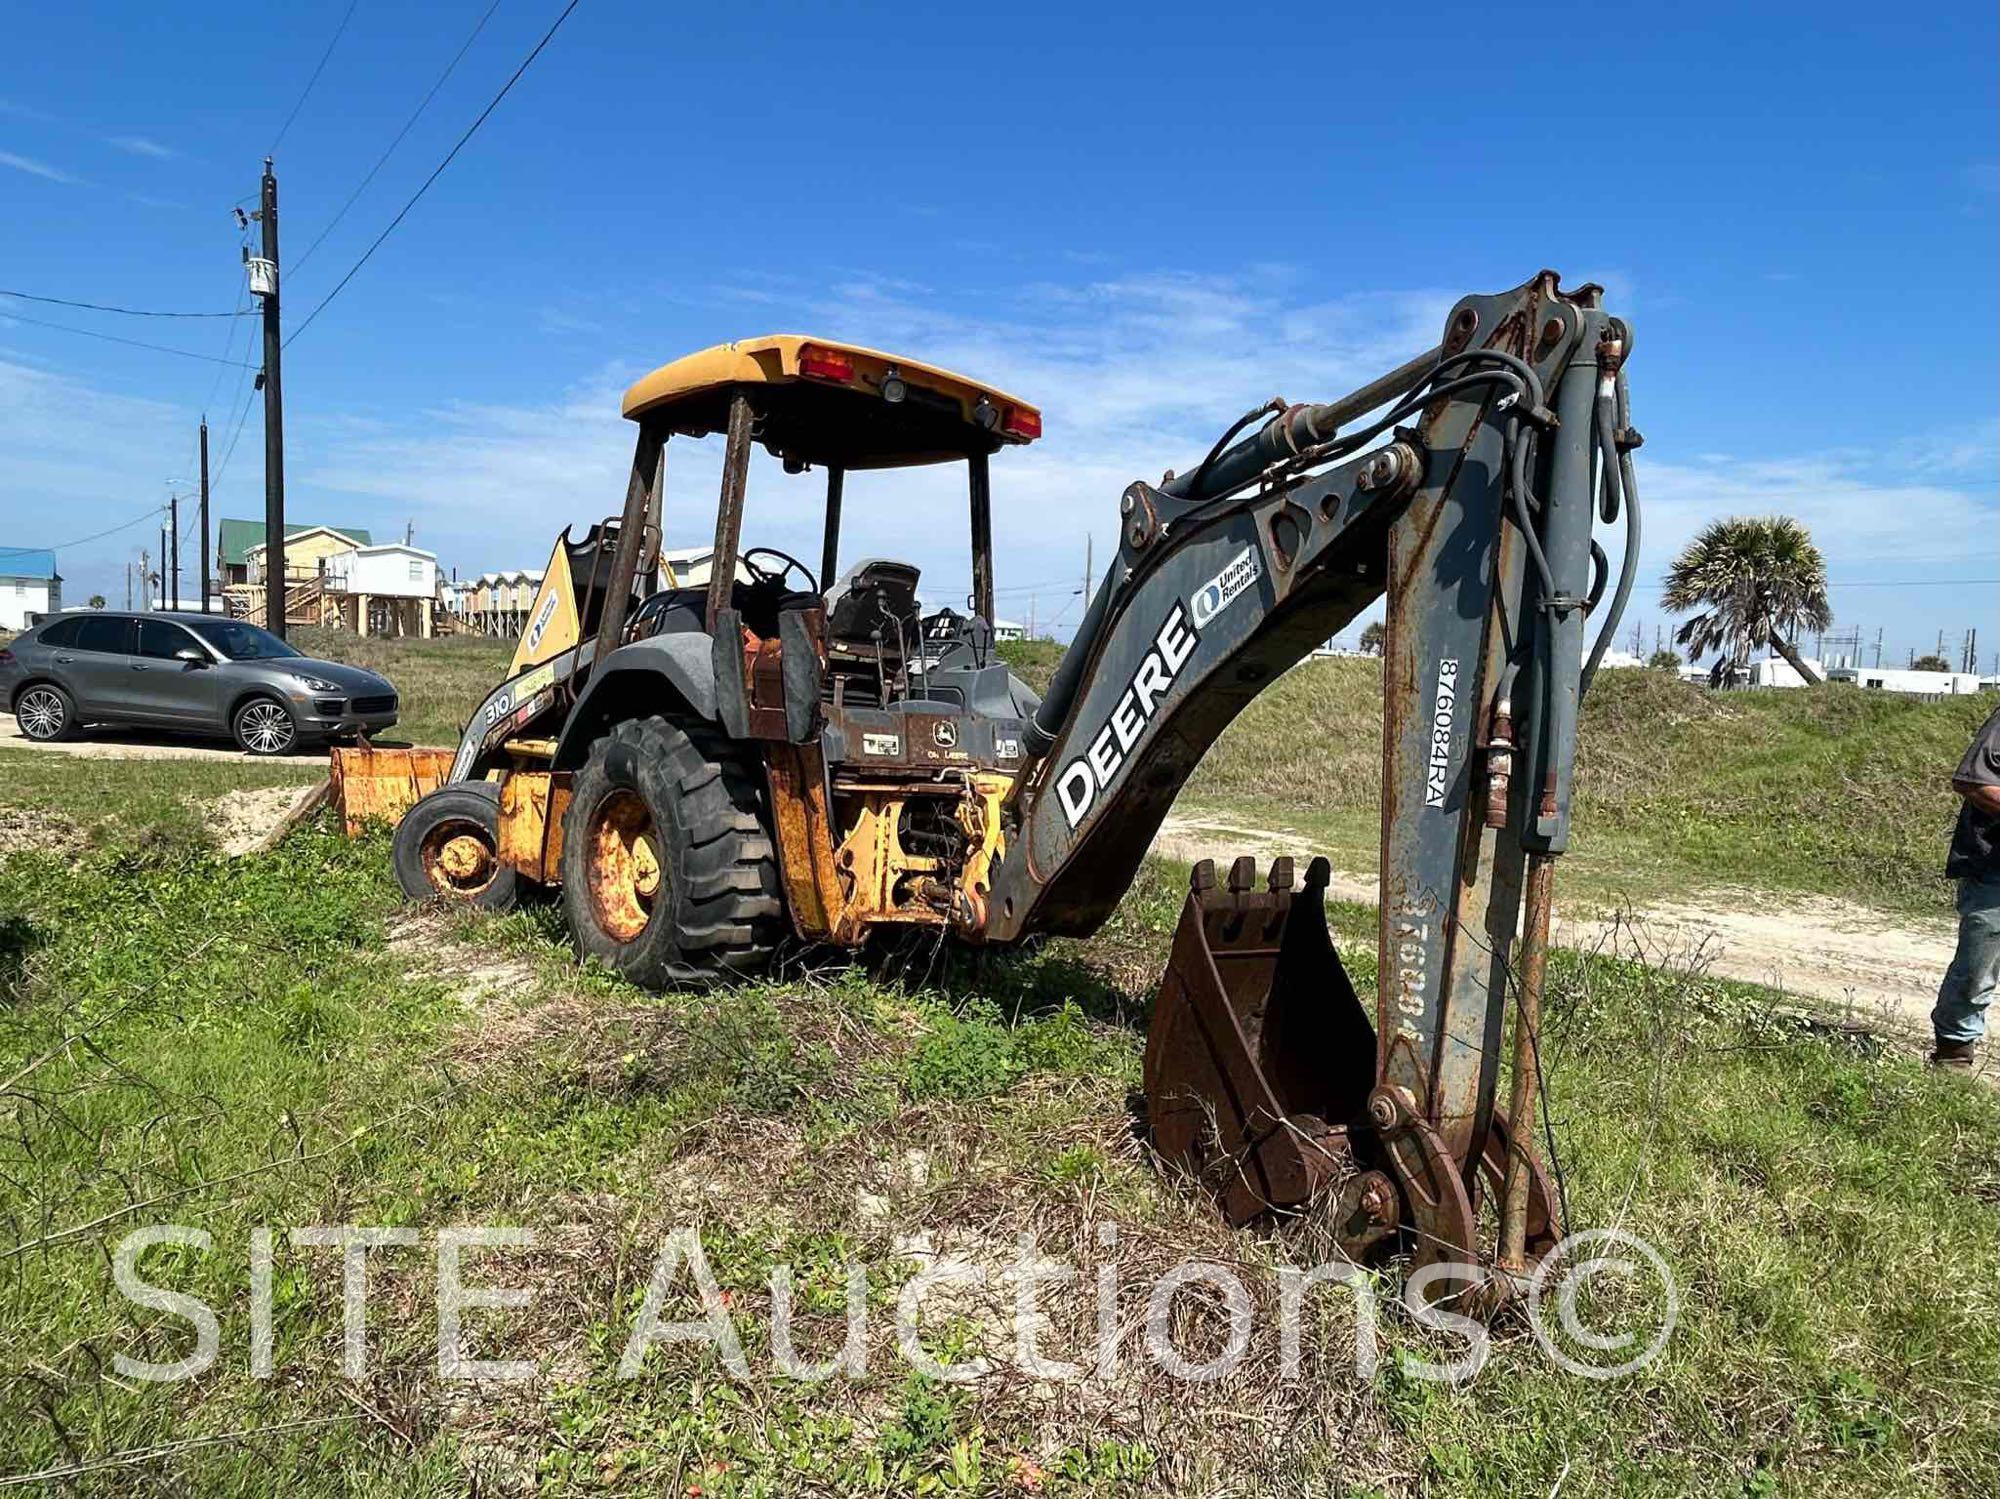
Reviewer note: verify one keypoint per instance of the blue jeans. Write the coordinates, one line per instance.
(1974, 976)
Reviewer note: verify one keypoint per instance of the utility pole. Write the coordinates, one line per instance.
(160, 597)
(128, 585)
(1086, 571)
(174, 531)
(1031, 616)
(145, 577)
(1878, 645)
(1972, 649)
(204, 515)
(274, 410)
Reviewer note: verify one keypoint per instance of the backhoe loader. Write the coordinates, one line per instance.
(710, 767)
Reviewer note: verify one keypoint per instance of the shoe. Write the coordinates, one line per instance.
(1954, 1054)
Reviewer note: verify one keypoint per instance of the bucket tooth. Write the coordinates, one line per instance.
(1260, 1059)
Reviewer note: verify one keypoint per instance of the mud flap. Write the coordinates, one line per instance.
(1260, 1060)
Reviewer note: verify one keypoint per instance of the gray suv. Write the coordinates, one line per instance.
(199, 673)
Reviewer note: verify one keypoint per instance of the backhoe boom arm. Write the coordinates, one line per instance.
(1473, 518)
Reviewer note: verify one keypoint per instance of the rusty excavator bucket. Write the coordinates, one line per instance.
(1260, 1059)
(1261, 1078)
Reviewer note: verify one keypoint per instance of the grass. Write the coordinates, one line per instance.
(440, 681)
(274, 1041)
(1834, 790)
(63, 800)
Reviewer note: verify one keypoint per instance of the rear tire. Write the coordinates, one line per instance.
(669, 876)
(447, 847)
(45, 713)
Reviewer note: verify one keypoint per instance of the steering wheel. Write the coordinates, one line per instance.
(777, 574)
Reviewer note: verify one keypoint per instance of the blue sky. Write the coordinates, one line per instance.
(1146, 220)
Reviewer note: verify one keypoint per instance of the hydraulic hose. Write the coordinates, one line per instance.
(1055, 706)
(1613, 420)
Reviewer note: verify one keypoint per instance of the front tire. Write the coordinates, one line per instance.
(264, 726)
(447, 847)
(45, 713)
(669, 876)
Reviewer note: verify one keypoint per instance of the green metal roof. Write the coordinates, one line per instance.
(237, 537)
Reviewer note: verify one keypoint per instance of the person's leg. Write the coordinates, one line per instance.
(1974, 975)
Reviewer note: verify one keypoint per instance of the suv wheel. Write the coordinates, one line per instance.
(264, 726)
(668, 872)
(45, 713)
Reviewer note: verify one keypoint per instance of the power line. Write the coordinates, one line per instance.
(436, 172)
(407, 124)
(133, 342)
(64, 546)
(242, 413)
(101, 307)
(338, 32)
(1889, 583)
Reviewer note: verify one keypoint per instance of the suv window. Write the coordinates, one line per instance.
(63, 632)
(105, 632)
(160, 638)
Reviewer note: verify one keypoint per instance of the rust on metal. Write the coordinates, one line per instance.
(813, 896)
(372, 786)
(1260, 1058)
(622, 865)
(532, 807)
(1514, 1192)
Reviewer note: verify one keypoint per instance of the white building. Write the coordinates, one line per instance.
(1914, 683)
(390, 570)
(1009, 629)
(1778, 672)
(30, 586)
(387, 589)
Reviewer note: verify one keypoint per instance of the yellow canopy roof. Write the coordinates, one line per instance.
(825, 402)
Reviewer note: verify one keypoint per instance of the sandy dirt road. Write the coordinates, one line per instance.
(136, 744)
(1881, 970)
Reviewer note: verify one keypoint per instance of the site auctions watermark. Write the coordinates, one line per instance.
(1641, 1291)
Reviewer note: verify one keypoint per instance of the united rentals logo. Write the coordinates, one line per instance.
(542, 618)
(1222, 590)
(1442, 715)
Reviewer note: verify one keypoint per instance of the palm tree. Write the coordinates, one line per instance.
(1756, 580)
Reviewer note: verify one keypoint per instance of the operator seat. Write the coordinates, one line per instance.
(872, 622)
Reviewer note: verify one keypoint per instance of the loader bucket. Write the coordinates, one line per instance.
(1260, 1058)
(379, 785)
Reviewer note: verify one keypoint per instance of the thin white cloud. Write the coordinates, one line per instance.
(37, 168)
(140, 145)
(1135, 374)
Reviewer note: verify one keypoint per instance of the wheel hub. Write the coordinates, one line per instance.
(622, 865)
(40, 715)
(459, 859)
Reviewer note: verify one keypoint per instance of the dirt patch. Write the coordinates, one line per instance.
(1877, 968)
(26, 830)
(246, 822)
(487, 983)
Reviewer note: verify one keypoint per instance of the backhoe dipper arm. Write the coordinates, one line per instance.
(1475, 521)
